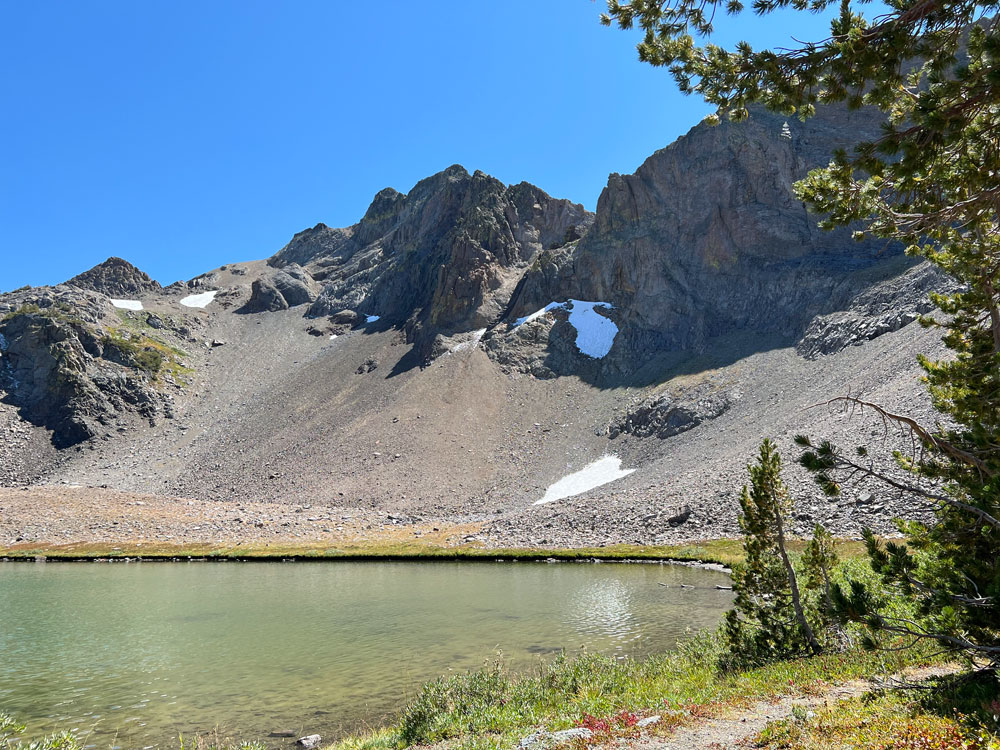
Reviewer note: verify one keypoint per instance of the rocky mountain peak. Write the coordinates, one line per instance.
(443, 258)
(707, 240)
(115, 277)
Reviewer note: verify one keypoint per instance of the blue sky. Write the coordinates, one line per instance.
(184, 135)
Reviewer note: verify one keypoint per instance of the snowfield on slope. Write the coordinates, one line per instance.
(199, 300)
(595, 333)
(603, 470)
(127, 304)
(470, 343)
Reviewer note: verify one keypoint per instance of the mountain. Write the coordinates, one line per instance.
(115, 278)
(440, 260)
(466, 345)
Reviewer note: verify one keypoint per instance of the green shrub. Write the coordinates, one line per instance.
(142, 357)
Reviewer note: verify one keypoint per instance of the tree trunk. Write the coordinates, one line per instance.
(793, 584)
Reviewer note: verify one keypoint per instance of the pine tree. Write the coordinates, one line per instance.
(769, 619)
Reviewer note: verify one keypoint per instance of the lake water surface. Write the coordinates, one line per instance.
(133, 655)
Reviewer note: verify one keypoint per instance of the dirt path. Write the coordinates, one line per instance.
(736, 729)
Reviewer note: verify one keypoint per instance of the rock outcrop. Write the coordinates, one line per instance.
(885, 307)
(664, 415)
(708, 240)
(66, 372)
(443, 259)
(115, 278)
(286, 287)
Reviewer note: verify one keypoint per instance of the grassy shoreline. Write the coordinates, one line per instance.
(723, 552)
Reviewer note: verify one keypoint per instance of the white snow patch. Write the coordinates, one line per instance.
(470, 343)
(127, 304)
(539, 313)
(603, 470)
(371, 318)
(333, 336)
(199, 300)
(595, 333)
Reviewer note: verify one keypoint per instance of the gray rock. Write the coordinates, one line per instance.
(350, 318)
(309, 741)
(885, 307)
(543, 738)
(444, 258)
(649, 720)
(264, 297)
(666, 415)
(280, 290)
(116, 278)
(576, 733)
(369, 365)
(295, 285)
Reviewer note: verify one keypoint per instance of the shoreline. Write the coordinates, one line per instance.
(713, 555)
(88, 524)
(710, 554)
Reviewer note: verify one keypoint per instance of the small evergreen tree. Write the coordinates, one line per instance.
(769, 619)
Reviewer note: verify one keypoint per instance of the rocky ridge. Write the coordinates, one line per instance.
(68, 364)
(441, 260)
(117, 278)
(468, 344)
(704, 240)
(878, 310)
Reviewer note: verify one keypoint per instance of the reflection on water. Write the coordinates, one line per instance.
(605, 610)
(140, 653)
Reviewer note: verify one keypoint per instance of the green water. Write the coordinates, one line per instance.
(134, 654)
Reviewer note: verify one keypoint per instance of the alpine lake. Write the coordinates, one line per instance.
(135, 655)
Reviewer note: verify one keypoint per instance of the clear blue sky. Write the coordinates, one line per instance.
(183, 135)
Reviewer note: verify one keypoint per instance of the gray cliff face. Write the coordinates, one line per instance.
(64, 371)
(443, 259)
(707, 239)
(115, 278)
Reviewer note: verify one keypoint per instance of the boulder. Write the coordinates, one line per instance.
(350, 318)
(295, 285)
(669, 414)
(279, 290)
